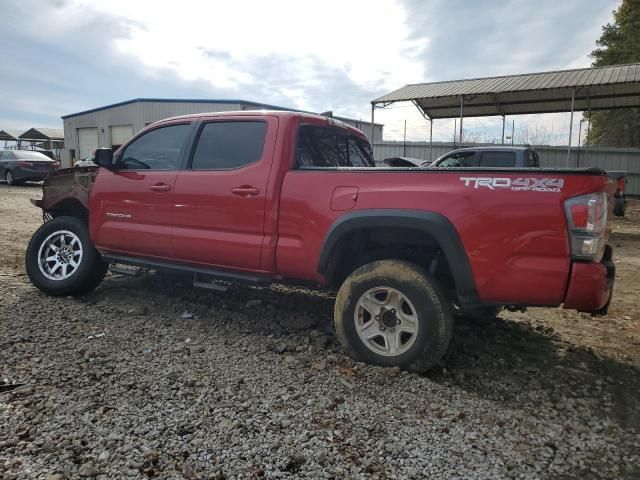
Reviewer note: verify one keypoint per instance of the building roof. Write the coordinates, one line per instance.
(246, 103)
(9, 135)
(43, 134)
(597, 88)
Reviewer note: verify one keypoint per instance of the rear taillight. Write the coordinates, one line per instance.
(587, 221)
(56, 165)
(25, 164)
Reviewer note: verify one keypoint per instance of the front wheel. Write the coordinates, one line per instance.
(391, 313)
(61, 260)
(8, 177)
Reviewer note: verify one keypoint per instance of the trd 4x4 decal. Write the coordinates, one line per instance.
(522, 184)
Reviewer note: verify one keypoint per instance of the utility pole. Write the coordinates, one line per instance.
(513, 130)
(404, 141)
(573, 98)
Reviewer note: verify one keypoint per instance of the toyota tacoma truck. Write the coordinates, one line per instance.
(294, 197)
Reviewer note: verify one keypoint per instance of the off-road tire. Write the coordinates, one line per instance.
(90, 271)
(435, 317)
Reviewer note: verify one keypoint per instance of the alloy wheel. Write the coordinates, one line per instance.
(60, 255)
(386, 321)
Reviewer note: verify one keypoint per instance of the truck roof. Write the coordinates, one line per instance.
(285, 114)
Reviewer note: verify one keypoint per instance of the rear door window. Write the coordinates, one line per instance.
(319, 146)
(229, 145)
(498, 159)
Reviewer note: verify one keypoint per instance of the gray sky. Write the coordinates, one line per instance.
(64, 56)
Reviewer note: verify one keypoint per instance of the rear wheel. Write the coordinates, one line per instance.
(391, 313)
(61, 260)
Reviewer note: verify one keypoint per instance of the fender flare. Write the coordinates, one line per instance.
(432, 223)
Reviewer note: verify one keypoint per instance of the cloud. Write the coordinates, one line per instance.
(484, 38)
(80, 54)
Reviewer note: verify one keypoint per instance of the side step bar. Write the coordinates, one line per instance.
(129, 272)
(197, 271)
(210, 285)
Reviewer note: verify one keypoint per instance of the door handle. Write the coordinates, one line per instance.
(245, 191)
(160, 187)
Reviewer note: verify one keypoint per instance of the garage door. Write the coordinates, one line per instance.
(87, 141)
(120, 134)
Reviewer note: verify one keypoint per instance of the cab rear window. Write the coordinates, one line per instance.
(328, 147)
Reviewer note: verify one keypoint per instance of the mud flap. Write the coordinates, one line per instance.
(607, 261)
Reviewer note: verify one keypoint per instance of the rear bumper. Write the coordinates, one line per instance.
(591, 285)
(24, 174)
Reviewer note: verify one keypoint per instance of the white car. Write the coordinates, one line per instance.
(86, 161)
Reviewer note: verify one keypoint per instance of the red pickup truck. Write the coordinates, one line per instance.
(286, 196)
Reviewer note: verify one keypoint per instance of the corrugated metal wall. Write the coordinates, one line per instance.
(610, 159)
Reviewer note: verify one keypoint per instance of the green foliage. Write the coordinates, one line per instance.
(619, 43)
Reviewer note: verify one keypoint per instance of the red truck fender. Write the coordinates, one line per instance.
(433, 224)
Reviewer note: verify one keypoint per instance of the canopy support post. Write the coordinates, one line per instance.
(431, 139)
(503, 129)
(586, 151)
(461, 117)
(573, 99)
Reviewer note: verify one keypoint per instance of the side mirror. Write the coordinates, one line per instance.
(104, 158)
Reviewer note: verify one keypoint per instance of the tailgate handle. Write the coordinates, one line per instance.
(160, 187)
(245, 191)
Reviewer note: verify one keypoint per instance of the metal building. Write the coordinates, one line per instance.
(112, 125)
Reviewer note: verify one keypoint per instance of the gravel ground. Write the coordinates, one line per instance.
(148, 377)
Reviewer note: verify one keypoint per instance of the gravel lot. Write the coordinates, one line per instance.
(149, 377)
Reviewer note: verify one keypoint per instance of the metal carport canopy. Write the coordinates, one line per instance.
(9, 135)
(43, 134)
(597, 88)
